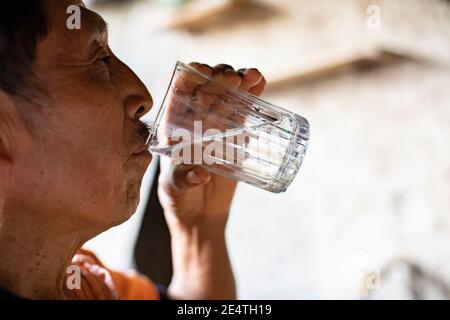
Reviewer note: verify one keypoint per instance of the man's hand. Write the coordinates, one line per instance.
(190, 195)
(196, 205)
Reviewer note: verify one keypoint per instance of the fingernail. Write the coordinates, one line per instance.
(224, 67)
(193, 178)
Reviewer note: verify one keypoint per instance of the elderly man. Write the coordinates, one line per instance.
(72, 157)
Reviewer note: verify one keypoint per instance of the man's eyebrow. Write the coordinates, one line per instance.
(98, 24)
(101, 26)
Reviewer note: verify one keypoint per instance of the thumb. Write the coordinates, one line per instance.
(197, 177)
(178, 179)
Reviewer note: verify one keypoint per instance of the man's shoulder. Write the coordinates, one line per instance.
(123, 284)
(5, 295)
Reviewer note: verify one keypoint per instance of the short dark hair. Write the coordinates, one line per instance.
(22, 24)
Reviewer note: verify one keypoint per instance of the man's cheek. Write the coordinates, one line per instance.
(133, 196)
(108, 188)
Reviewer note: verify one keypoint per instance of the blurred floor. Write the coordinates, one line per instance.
(375, 186)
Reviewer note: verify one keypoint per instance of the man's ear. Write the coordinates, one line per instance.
(7, 136)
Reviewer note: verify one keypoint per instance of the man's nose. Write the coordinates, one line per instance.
(137, 99)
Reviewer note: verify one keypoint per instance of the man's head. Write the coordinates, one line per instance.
(70, 134)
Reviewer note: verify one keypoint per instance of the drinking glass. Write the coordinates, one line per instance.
(230, 132)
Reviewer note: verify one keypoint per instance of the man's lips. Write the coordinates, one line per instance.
(142, 152)
(142, 148)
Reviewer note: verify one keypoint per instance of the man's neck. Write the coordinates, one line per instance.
(34, 256)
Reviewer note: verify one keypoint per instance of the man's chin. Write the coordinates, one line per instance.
(123, 217)
(127, 208)
(133, 204)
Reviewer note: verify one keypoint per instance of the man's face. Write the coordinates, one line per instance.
(83, 164)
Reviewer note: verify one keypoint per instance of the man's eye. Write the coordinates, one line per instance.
(104, 55)
(105, 59)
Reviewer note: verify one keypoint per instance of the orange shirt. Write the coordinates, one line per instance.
(100, 283)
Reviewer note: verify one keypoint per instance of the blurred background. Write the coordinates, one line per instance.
(368, 216)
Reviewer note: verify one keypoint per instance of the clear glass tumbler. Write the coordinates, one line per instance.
(228, 131)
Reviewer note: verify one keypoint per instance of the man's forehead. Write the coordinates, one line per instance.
(61, 11)
(65, 45)
(63, 4)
